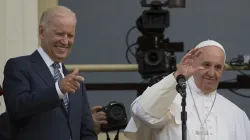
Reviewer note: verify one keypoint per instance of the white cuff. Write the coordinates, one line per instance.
(59, 92)
(157, 99)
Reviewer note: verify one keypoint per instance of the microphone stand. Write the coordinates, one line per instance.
(182, 91)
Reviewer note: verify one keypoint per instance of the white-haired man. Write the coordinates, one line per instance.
(156, 114)
(43, 99)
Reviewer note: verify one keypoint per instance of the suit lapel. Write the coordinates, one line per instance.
(43, 71)
(70, 96)
(41, 68)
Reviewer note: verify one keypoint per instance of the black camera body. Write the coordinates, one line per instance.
(156, 56)
(116, 117)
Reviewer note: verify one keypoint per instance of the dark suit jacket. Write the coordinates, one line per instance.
(4, 127)
(34, 107)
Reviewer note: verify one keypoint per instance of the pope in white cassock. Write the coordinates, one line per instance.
(156, 114)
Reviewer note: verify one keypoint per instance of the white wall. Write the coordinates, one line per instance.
(18, 31)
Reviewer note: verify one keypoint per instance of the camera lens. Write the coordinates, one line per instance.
(154, 57)
(116, 112)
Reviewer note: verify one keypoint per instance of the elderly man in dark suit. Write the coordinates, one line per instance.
(44, 101)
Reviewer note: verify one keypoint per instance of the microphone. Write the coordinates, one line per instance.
(181, 88)
(181, 80)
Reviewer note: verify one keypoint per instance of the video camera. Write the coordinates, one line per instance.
(155, 54)
(116, 116)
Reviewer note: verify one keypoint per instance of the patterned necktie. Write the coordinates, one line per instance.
(57, 77)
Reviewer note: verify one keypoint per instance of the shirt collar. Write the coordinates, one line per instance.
(195, 89)
(46, 58)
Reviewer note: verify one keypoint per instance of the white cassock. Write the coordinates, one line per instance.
(156, 115)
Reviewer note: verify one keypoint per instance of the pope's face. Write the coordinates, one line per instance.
(213, 61)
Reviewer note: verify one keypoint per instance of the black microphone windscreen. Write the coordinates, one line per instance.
(180, 77)
(181, 80)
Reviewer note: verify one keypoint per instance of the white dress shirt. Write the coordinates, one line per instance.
(49, 63)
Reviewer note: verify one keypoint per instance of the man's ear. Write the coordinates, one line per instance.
(41, 32)
(224, 67)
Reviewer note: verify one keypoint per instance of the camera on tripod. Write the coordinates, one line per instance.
(116, 116)
(155, 54)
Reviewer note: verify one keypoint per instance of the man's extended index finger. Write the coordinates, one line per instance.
(78, 78)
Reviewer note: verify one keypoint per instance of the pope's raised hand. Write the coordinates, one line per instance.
(186, 67)
(71, 82)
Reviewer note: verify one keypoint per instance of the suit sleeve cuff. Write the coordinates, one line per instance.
(156, 100)
(59, 92)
